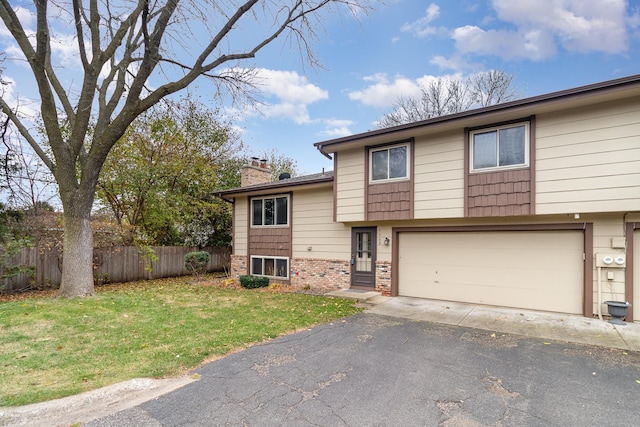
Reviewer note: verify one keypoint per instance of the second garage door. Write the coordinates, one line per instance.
(540, 270)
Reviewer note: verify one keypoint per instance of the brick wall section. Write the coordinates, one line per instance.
(320, 274)
(238, 265)
(251, 174)
(389, 201)
(505, 193)
(270, 241)
(383, 277)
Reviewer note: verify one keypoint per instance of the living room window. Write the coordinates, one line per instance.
(389, 163)
(270, 211)
(499, 147)
(277, 267)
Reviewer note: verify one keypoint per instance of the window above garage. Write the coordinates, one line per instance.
(500, 147)
(390, 163)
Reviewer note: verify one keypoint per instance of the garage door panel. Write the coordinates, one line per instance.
(536, 270)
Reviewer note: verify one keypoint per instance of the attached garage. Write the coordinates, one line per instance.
(520, 268)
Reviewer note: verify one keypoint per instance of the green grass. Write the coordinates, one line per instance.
(51, 348)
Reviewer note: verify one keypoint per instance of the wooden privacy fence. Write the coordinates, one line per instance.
(112, 265)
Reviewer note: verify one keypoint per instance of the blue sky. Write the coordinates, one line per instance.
(547, 45)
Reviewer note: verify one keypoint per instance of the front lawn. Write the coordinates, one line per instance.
(51, 348)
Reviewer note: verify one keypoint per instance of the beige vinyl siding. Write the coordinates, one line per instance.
(313, 227)
(439, 176)
(588, 159)
(350, 186)
(240, 221)
(605, 228)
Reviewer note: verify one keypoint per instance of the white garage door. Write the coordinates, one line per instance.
(540, 270)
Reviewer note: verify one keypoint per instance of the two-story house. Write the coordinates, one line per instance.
(532, 204)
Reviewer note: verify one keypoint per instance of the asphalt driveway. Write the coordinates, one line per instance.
(374, 370)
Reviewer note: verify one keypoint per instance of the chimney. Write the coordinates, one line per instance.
(256, 172)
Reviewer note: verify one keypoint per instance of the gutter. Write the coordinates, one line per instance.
(602, 87)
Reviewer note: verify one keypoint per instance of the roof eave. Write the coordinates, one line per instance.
(610, 85)
(277, 185)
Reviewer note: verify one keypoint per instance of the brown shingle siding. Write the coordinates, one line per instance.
(504, 193)
(389, 201)
(270, 241)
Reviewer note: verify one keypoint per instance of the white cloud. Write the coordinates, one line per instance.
(336, 128)
(537, 29)
(287, 96)
(25, 17)
(578, 25)
(383, 92)
(455, 62)
(533, 44)
(422, 27)
(27, 107)
(290, 87)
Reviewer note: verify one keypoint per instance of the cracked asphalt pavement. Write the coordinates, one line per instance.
(372, 370)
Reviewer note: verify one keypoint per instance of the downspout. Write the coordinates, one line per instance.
(319, 147)
(599, 270)
(221, 197)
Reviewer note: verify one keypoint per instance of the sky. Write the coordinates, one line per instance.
(546, 45)
(369, 62)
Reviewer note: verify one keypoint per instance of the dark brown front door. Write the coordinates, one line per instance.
(363, 257)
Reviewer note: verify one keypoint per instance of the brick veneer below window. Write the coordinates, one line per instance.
(321, 275)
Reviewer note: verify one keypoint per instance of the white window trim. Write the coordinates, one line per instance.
(500, 168)
(272, 257)
(386, 148)
(277, 196)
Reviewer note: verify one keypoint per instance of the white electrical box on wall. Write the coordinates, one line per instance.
(611, 260)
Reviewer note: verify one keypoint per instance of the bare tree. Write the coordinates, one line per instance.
(444, 96)
(132, 54)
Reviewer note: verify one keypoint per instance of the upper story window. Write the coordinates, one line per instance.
(270, 211)
(389, 163)
(500, 147)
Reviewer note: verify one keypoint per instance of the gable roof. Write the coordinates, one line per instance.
(297, 181)
(598, 92)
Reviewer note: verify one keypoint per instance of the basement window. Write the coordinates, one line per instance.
(275, 267)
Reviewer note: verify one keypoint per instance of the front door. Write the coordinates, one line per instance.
(363, 258)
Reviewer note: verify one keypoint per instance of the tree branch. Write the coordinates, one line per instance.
(26, 135)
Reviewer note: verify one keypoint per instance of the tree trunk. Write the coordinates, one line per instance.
(77, 261)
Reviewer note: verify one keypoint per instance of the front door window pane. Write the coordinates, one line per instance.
(485, 150)
(363, 251)
(398, 162)
(512, 146)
